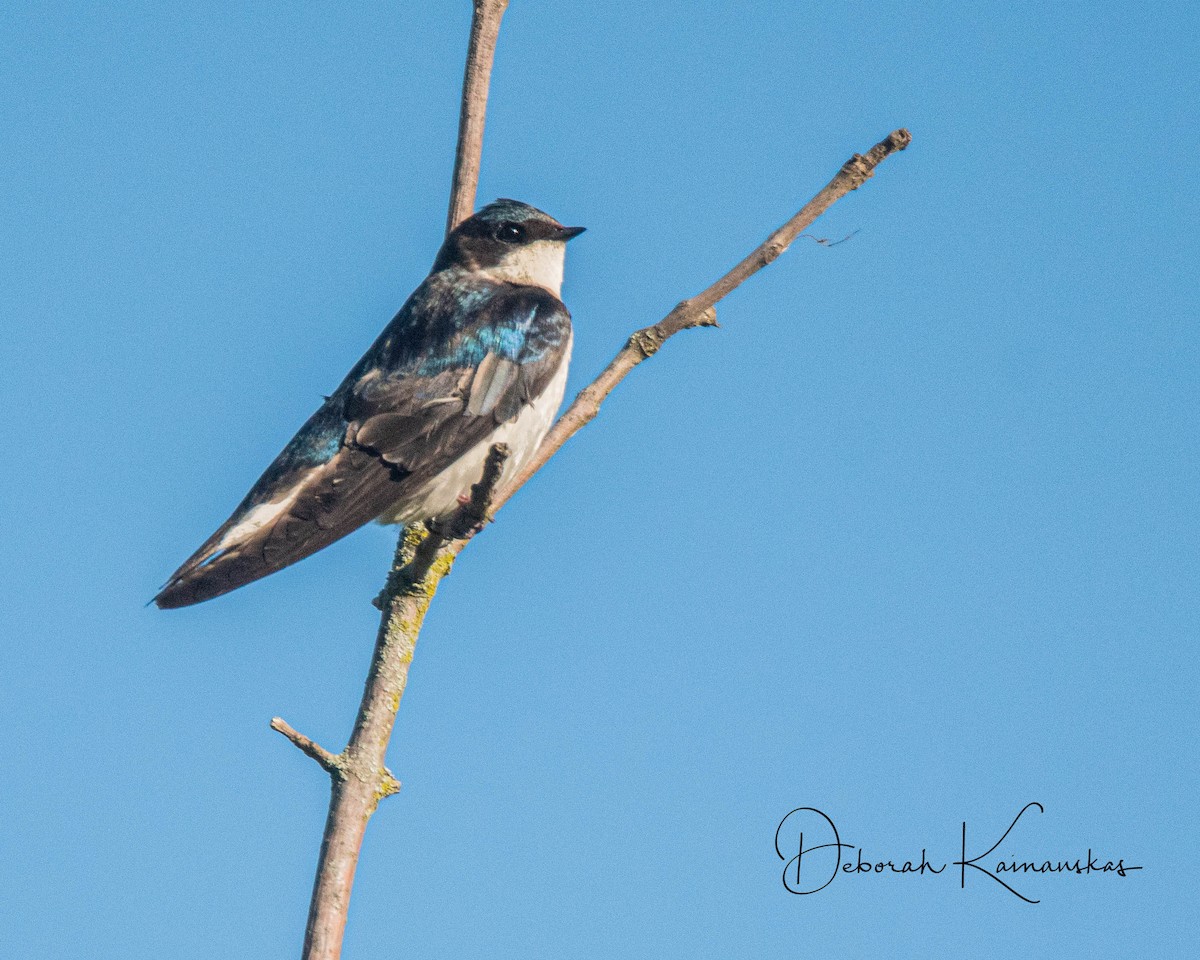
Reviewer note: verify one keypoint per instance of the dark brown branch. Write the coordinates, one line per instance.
(485, 28)
(464, 523)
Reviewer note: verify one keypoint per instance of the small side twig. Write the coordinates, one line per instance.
(826, 241)
(327, 760)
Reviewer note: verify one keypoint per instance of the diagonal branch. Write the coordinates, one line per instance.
(698, 311)
(425, 554)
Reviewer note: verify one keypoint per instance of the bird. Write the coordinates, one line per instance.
(477, 355)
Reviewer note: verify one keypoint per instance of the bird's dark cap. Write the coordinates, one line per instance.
(505, 210)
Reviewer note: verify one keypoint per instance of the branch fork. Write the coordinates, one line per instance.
(426, 552)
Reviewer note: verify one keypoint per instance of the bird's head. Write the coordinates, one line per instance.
(510, 241)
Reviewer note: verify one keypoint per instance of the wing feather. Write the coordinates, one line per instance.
(493, 381)
(433, 386)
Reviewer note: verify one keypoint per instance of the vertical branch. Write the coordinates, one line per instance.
(485, 28)
(359, 777)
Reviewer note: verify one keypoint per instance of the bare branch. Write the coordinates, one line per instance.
(854, 173)
(364, 779)
(698, 311)
(426, 553)
(485, 28)
(474, 513)
(329, 761)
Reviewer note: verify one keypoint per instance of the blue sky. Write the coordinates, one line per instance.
(910, 539)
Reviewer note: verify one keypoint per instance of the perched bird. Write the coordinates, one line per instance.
(477, 355)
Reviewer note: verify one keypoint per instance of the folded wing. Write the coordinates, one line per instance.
(435, 384)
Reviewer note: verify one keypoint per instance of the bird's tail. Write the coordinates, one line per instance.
(249, 547)
(216, 568)
(286, 518)
(202, 579)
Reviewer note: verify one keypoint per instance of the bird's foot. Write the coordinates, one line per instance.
(458, 528)
(462, 524)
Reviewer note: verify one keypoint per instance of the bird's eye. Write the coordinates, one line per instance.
(510, 232)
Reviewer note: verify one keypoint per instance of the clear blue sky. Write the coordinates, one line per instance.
(911, 539)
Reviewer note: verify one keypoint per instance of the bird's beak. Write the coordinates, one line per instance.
(566, 233)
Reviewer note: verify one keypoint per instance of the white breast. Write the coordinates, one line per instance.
(439, 497)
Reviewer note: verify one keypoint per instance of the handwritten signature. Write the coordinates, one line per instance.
(811, 867)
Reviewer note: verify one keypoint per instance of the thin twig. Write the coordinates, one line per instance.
(827, 241)
(329, 761)
(698, 311)
(485, 28)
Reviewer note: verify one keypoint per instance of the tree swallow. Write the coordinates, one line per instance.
(477, 355)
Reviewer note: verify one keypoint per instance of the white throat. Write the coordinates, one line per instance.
(539, 263)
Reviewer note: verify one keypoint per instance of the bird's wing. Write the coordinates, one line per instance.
(436, 383)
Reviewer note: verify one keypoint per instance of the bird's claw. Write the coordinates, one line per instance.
(460, 525)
